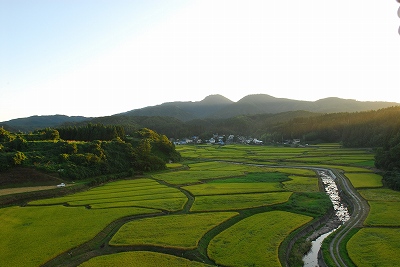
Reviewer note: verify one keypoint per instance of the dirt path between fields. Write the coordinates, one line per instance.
(17, 190)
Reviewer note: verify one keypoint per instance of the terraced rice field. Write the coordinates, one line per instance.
(365, 180)
(144, 193)
(41, 233)
(254, 241)
(183, 231)
(226, 205)
(141, 259)
(238, 201)
(375, 247)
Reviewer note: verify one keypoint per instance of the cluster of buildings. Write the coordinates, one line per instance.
(219, 140)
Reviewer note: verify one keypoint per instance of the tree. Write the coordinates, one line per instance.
(5, 136)
(18, 158)
(51, 134)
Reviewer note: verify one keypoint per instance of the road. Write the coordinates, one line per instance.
(359, 214)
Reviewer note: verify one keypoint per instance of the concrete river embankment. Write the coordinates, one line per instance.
(341, 215)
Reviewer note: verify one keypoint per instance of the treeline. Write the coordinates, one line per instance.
(358, 129)
(91, 132)
(145, 150)
(387, 158)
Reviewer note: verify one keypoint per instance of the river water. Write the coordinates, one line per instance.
(341, 214)
(311, 259)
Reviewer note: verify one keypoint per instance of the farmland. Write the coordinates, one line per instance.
(378, 243)
(231, 205)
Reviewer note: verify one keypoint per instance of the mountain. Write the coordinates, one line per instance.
(217, 106)
(39, 122)
(211, 107)
(185, 111)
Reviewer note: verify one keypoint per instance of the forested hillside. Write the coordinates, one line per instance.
(357, 129)
(88, 151)
(387, 158)
(212, 109)
(39, 122)
(219, 107)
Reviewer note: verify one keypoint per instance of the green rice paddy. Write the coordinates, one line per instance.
(254, 241)
(383, 213)
(235, 204)
(365, 180)
(238, 201)
(178, 231)
(141, 259)
(30, 236)
(372, 247)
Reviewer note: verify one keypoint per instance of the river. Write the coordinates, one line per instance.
(341, 216)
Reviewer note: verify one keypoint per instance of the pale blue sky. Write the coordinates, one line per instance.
(98, 58)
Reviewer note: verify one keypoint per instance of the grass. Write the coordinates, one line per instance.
(255, 240)
(141, 259)
(176, 231)
(41, 233)
(375, 247)
(238, 201)
(365, 180)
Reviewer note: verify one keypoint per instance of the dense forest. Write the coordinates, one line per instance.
(87, 151)
(387, 158)
(357, 129)
(82, 149)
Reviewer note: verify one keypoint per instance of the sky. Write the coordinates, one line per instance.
(100, 57)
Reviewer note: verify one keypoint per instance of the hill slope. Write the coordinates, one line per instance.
(39, 122)
(211, 107)
(217, 106)
(185, 111)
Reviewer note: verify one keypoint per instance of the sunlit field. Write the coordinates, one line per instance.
(301, 184)
(378, 194)
(234, 203)
(30, 236)
(254, 241)
(180, 231)
(385, 207)
(238, 201)
(232, 188)
(365, 180)
(141, 259)
(383, 213)
(129, 193)
(375, 247)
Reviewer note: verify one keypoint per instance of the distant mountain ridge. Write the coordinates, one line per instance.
(220, 107)
(39, 122)
(185, 111)
(211, 107)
